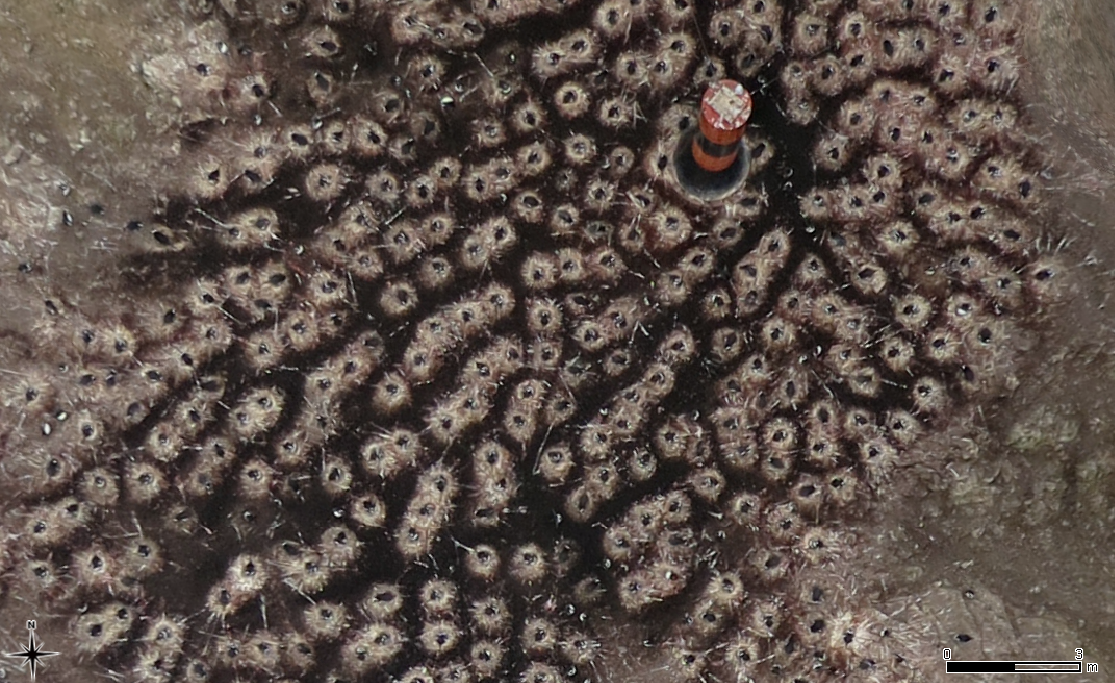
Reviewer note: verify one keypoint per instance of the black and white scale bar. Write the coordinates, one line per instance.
(1012, 667)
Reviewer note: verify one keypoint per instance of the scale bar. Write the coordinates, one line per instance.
(992, 667)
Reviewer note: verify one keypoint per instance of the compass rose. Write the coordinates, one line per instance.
(32, 652)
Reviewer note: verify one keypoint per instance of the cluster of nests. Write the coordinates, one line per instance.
(460, 376)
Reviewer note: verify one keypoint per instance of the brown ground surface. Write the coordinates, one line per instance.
(1025, 516)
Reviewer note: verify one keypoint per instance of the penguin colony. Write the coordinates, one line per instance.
(456, 383)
